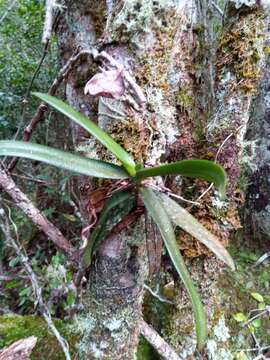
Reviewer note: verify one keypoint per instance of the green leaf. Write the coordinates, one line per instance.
(71, 298)
(93, 129)
(70, 217)
(240, 317)
(261, 306)
(124, 198)
(156, 210)
(187, 222)
(62, 159)
(258, 297)
(12, 284)
(199, 169)
(257, 323)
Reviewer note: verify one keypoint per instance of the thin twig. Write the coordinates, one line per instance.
(158, 296)
(4, 225)
(216, 159)
(215, 5)
(261, 313)
(254, 349)
(38, 181)
(158, 343)
(167, 191)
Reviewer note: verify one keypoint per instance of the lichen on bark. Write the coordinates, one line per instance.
(189, 112)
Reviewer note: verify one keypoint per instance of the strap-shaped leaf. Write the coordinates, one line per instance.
(93, 129)
(200, 169)
(124, 198)
(62, 159)
(156, 210)
(187, 222)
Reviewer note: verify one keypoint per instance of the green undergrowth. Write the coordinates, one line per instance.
(145, 351)
(15, 327)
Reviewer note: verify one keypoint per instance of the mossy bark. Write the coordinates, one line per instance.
(256, 212)
(196, 97)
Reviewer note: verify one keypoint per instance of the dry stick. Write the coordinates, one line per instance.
(4, 225)
(48, 23)
(24, 203)
(158, 343)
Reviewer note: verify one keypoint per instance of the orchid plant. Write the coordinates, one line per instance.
(162, 209)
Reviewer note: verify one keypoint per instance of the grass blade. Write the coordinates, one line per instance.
(62, 159)
(123, 199)
(199, 169)
(156, 210)
(93, 129)
(187, 222)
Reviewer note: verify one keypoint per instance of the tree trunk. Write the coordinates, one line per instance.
(256, 159)
(198, 82)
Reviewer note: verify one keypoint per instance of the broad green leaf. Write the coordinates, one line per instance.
(93, 129)
(187, 222)
(199, 169)
(62, 159)
(156, 210)
(240, 317)
(258, 297)
(257, 323)
(122, 198)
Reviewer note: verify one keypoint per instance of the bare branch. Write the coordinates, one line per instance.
(25, 204)
(158, 343)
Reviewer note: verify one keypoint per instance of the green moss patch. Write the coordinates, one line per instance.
(15, 327)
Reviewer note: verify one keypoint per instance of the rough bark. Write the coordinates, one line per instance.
(198, 91)
(257, 167)
(142, 38)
